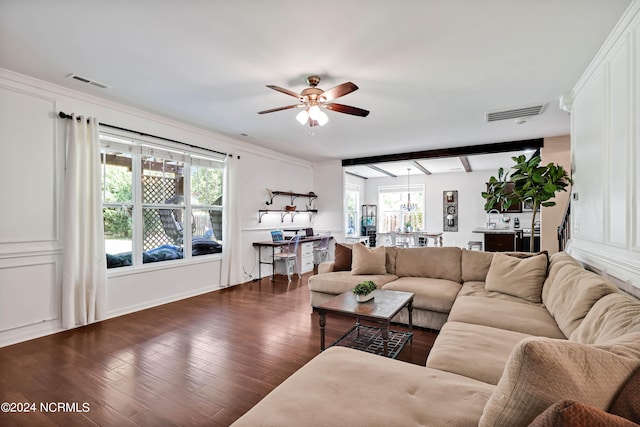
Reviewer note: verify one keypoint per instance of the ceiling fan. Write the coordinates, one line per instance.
(312, 99)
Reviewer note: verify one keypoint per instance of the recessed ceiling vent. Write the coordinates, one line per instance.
(87, 81)
(515, 113)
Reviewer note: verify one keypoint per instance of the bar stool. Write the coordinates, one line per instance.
(474, 245)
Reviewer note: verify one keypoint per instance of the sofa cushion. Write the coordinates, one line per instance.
(436, 263)
(342, 257)
(430, 294)
(475, 265)
(477, 289)
(524, 318)
(541, 371)
(611, 316)
(474, 351)
(338, 282)
(520, 277)
(348, 387)
(572, 294)
(569, 413)
(368, 260)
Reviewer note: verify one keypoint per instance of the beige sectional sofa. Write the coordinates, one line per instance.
(513, 347)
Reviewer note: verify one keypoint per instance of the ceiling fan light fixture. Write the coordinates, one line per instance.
(314, 112)
(322, 118)
(302, 117)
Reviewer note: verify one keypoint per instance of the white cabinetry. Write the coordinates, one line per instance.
(305, 257)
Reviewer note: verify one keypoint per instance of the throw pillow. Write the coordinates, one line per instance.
(568, 413)
(627, 403)
(368, 260)
(520, 277)
(541, 371)
(342, 257)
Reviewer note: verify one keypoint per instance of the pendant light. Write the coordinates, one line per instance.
(408, 206)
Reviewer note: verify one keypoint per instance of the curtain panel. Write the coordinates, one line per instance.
(84, 271)
(231, 273)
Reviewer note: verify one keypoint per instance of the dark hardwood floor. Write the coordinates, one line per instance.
(201, 361)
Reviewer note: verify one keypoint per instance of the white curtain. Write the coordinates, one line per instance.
(84, 271)
(231, 244)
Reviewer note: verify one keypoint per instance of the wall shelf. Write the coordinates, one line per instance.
(284, 212)
(272, 194)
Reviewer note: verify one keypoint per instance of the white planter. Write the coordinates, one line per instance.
(364, 298)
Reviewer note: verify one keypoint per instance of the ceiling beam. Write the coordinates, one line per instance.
(355, 174)
(377, 169)
(465, 162)
(421, 168)
(500, 147)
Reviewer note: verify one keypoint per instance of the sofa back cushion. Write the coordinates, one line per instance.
(436, 263)
(556, 262)
(520, 277)
(572, 294)
(475, 265)
(368, 260)
(391, 253)
(611, 316)
(541, 371)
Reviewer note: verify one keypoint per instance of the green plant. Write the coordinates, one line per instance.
(530, 182)
(364, 288)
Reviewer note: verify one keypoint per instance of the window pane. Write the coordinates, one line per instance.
(162, 234)
(393, 216)
(162, 181)
(118, 235)
(207, 234)
(117, 176)
(206, 186)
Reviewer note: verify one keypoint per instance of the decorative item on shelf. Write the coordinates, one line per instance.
(290, 208)
(364, 291)
(450, 210)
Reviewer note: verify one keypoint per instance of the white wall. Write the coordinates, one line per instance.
(606, 154)
(31, 229)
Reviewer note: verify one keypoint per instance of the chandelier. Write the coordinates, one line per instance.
(408, 206)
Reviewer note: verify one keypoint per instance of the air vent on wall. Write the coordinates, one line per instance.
(514, 113)
(87, 81)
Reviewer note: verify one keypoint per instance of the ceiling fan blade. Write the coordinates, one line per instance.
(347, 109)
(285, 91)
(280, 109)
(338, 91)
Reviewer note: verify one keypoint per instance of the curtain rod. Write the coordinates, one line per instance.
(64, 115)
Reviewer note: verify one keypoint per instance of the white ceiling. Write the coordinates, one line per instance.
(427, 70)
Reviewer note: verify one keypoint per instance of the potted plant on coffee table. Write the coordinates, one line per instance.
(364, 290)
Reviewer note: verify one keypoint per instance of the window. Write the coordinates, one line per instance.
(351, 206)
(146, 216)
(391, 215)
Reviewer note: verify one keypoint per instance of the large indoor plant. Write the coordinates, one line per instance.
(526, 182)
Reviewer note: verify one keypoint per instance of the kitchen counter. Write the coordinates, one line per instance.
(495, 230)
(508, 239)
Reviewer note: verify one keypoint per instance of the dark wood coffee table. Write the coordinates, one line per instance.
(380, 310)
